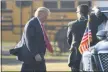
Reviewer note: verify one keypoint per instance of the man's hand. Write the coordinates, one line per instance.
(96, 10)
(38, 57)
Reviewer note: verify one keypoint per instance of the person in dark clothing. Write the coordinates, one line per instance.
(75, 32)
(96, 19)
(34, 43)
(60, 38)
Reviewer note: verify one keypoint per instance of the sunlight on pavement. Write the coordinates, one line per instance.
(50, 67)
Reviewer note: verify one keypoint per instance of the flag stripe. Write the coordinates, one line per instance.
(84, 45)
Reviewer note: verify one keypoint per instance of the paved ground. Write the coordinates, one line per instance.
(50, 67)
(53, 63)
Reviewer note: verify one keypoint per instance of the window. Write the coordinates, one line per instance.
(3, 5)
(23, 3)
(60, 5)
(50, 4)
(67, 4)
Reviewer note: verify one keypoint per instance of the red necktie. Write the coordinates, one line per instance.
(48, 45)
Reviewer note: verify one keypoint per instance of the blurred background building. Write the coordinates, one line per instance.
(15, 14)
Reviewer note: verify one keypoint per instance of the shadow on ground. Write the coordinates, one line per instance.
(10, 61)
(13, 61)
(7, 59)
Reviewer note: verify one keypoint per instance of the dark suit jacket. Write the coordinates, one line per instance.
(32, 41)
(75, 32)
(94, 23)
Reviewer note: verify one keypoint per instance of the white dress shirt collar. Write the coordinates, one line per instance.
(39, 20)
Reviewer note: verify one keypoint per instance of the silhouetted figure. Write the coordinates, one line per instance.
(61, 39)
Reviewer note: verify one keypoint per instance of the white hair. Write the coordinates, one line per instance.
(41, 9)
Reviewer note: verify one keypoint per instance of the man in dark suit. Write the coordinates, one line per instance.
(75, 32)
(33, 42)
(96, 19)
(60, 38)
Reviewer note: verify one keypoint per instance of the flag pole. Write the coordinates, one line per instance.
(89, 41)
(88, 31)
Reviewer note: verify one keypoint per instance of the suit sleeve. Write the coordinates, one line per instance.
(101, 17)
(69, 34)
(32, 40)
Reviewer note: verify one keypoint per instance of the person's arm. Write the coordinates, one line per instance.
(32, 42)
(69, 34)
(101, 17)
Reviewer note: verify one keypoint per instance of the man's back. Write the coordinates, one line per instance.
(32, 40)
(77, 29)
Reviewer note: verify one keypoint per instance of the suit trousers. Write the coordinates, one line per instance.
(76, 66)
(34, 67)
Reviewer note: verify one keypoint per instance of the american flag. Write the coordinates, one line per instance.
(86, 39)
